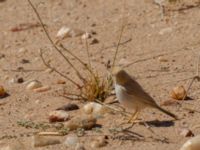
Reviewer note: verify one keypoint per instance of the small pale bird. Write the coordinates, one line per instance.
(130, 94)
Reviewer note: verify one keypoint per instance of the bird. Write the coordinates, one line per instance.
(131, 94)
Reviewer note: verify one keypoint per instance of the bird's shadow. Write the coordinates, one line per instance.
(158, 123)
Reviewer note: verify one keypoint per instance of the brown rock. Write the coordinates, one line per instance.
(99, 142)
(68, 107)
(61, 81)
(186, 133)
(178, 92)
(94, 41)
(58, 116)
(2, 92)
(40, 141)
(42, 89)
(86, 122)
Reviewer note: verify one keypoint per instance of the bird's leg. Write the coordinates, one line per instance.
(134, 116)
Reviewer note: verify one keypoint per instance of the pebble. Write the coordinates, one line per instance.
(99, 142)
(86, 36)
(94, 41)
(192, 144)
(68, 107)
(186, 133)
(65, 32)
(42, 89)
(22, 50)
(178, 93)
(33, 85)
(162, 59)
(71, 141)
(86, 122)
(94, 109)
(58, 116)
(40, 141)
(61, 82)
(165, 30)
(24, 61)
(20, 80)
(2, 92)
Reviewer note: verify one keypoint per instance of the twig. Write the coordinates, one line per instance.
(110, 107)
(87, 49)
(77, 58)
(115, 45)
(51, 41)
(119, 41)
(196, 77)
(61, 74)
(50, 134)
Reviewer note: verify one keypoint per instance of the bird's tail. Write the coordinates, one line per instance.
(167, 112)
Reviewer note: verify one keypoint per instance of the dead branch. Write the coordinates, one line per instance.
(118, 44)
(88, 54)
(51, 41)
(112, 108)
(58, 72)
(77, 58)
(195, 77)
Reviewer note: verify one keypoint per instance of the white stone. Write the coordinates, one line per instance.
(165, 30)
(192, 144)
(94, 108)
(33, 85)
(71, 141)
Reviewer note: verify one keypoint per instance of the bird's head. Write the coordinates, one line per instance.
(120, 75)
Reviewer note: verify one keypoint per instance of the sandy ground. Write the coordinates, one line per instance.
(149, 36)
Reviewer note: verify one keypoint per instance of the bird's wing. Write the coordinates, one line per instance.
(133, 88)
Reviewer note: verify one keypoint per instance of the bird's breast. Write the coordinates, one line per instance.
(129, 101)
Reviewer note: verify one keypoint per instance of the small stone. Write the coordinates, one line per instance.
(61, 81)
(20, 80)
(192, 144)
(65, 32)
(178, 93)
(33, 85)
(24, 61)
(162, 59)
(85, 122)
(2, 92)
(93, 25)
(99, 142)
(58, 116)
(86, 36)
(165, 30)
(68, 107)
(22, 50)
(71, 141)
(42, 89)
(94, 41)
(2, 56)
(40, 141)
(186, 133)
(94, 109)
